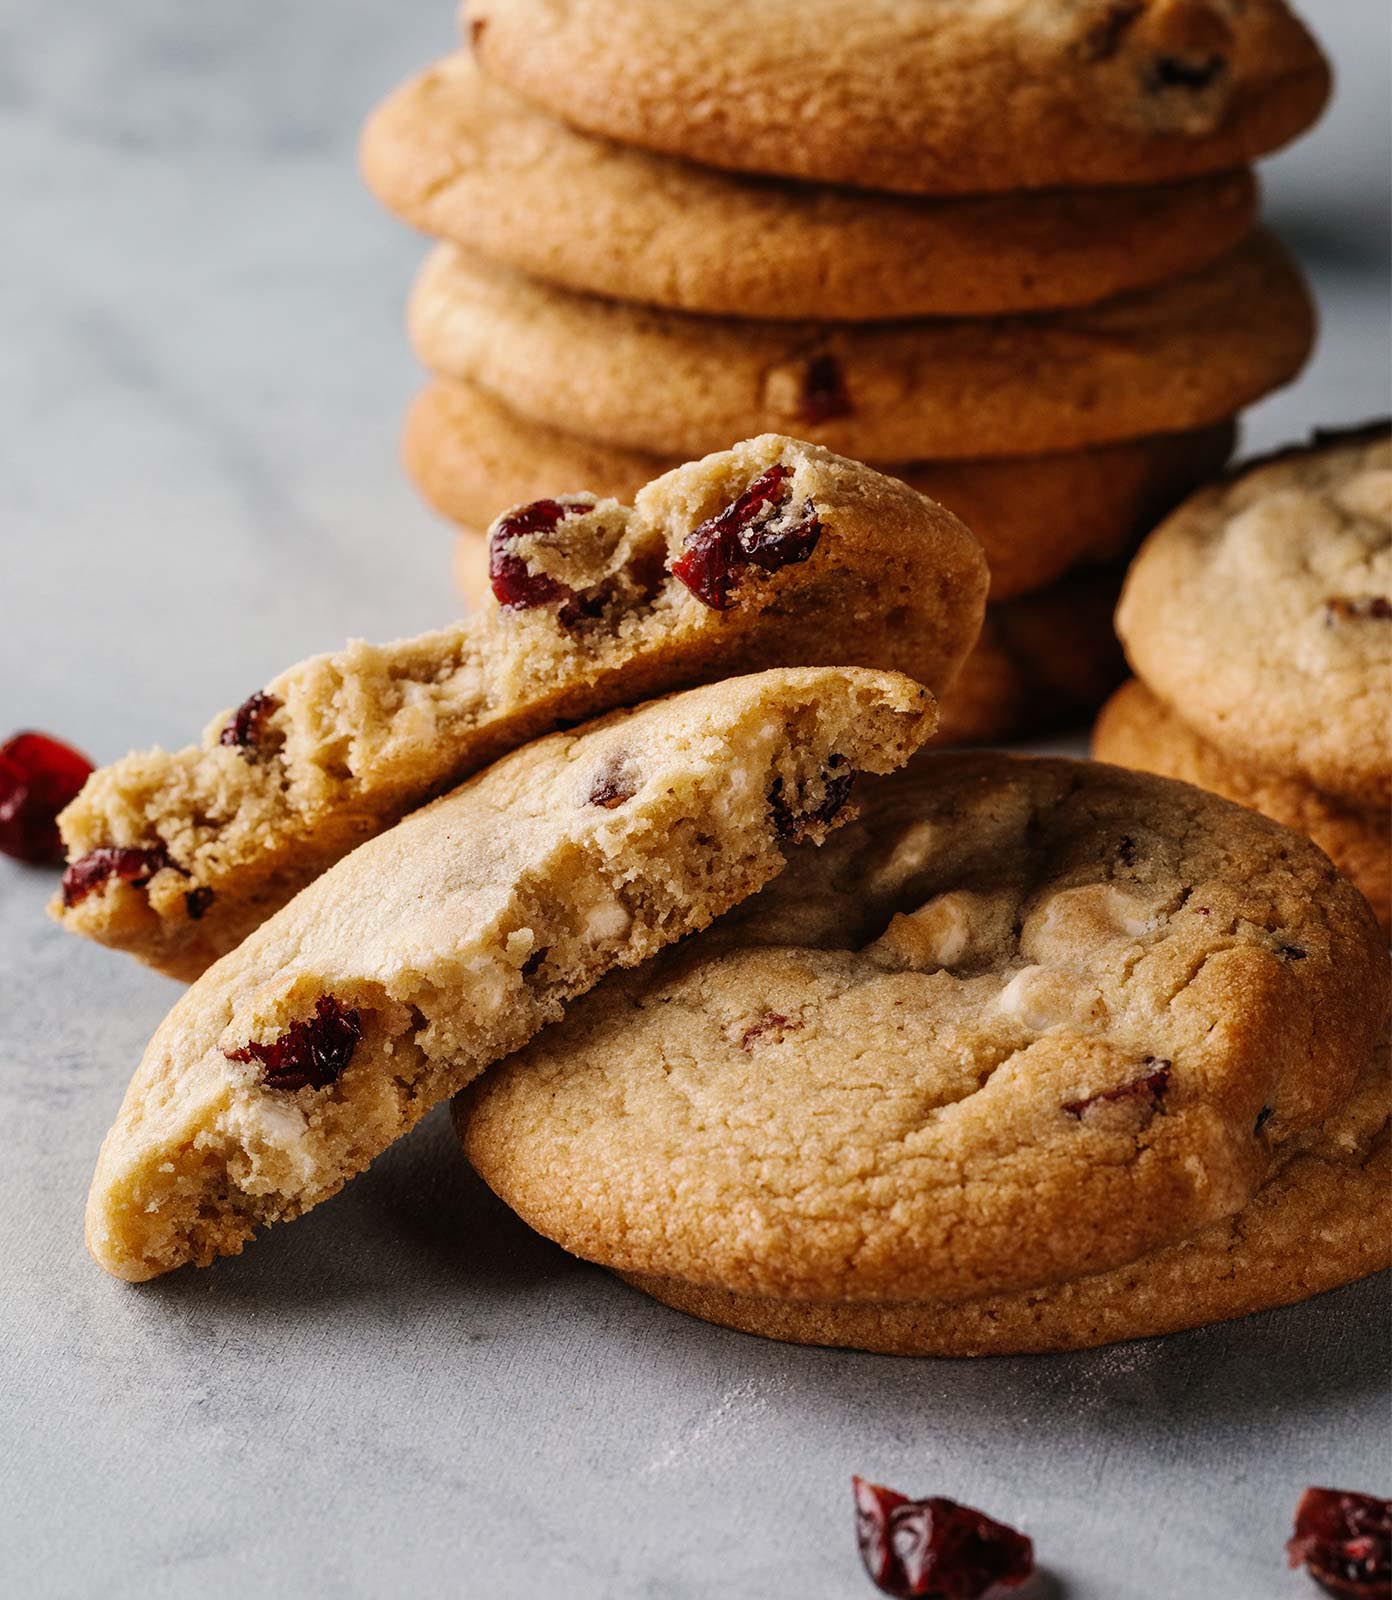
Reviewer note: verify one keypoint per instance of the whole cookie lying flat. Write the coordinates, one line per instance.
(1137, 730)
(1323, 1219)
(774, 553)
(941, 96)
(1025, 1022)
(1034, 516)
(461, 158)
(449, 940)
(1183, 355)
(1261, 611)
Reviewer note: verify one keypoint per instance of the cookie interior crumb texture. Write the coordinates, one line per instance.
(450, 939)
(341, 746)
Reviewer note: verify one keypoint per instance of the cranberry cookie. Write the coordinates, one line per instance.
(447, 942)
(461, 158)
(938, 96)
(1137, 730)
(1024, 1023)
(773, 553)
(1035, 516)
(1183, 355)
(1261, 612)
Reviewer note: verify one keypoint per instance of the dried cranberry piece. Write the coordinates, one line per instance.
(824, 393)
(515, 585)
(1344, 1541)
(936, 1548)
(311, 1052)
(133, 864)
(613, 785)
(759, 528)
(246, 727)
(197, 901)
(770, 1022)
(791, 820)
(1357, 608)
(1150, 1086)
(38, 777)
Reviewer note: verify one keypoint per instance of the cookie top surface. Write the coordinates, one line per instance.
(1261, 610)
(447, 941)
(931, 96)
(600, 604)
(460, 157)
(1034, 516)
(1181, 355)
(1025, 1020)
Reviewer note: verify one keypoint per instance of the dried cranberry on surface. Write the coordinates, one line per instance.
(515, 586)
(1344, 1541)
(935, 1548)
(246, 726)
(38, 777)
(791, 819)
(1149, 1086)
(1357, 608)
(760, 528)
(133, 864)
(311, 1052)
(824, 395)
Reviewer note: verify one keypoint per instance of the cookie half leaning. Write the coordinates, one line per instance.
(460, 157)
(1024, 1023)
(774, 553)
(1180, 355)
(447, 941)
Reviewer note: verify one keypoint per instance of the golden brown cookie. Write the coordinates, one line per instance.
(1035, 516)
(447, 941)
(1024, 1022)
(1182, 355)
(775, 553)
(1261, 610)
(462, 158)
(1136, 729)
(941, 96)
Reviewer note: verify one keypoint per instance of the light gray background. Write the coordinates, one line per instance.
(203, 375)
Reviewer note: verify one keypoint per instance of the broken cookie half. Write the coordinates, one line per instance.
(449, 940)
(773, 554)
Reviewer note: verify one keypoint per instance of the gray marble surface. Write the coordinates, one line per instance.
(407, 1393)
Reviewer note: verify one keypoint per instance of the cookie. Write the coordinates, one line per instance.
(446, 942)
(1043, 663)
(937, 97)
(775, 553)
(1261, 611)
(1025, 1022)
(461, 158)
(1334, 1193)
(1138, 730)
(1035, 516)
(1184, 355)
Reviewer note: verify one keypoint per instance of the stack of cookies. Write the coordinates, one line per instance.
(1258, 618)
(1008, 249)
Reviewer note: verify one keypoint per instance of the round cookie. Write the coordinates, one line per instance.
(461, 158)
(1035, 516)
(1261, 611)
(1137, 730)
(940, 96)
(1336, 1190)
(1179, 356)
(1024, 1022)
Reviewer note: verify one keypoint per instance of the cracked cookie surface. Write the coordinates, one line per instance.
(176, 856)
(1025, 1021)
(1261, 611)
(1182, 355)
(450, 939)
(460, 157)
(938, 96)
